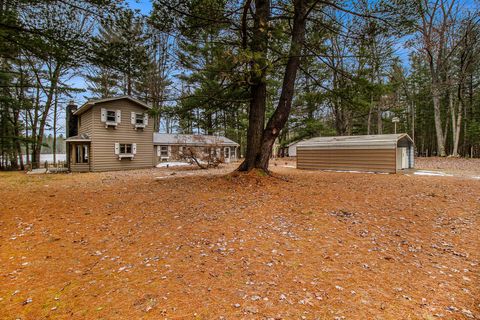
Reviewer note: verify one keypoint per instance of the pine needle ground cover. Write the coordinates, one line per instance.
(203, 244)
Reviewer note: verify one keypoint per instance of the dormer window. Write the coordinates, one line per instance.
(111, 118)
(139, 120)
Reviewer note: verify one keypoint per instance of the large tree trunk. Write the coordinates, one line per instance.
(280, 116)
(260, 157)
(258, 87)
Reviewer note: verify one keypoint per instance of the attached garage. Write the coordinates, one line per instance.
(377, 153)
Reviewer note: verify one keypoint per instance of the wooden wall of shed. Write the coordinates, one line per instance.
(376, 160)
(104, 139)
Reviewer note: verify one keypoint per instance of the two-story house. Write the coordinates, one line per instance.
(109, 134)
(117, 134)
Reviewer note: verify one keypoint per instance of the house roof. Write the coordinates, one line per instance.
(83, 137)
(90, 103)
(191, 139)
(379, 140)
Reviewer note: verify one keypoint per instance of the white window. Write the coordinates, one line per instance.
(125, 150)
(139, 120)
(110, 117)
(163, 151)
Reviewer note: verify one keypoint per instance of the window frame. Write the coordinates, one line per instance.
(81, 154)
(107, 116)
(125, 147)
(139, 116)
(163, 151)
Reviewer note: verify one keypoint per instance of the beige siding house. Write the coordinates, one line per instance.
(117, 134)
(173, 147)
(112, 134)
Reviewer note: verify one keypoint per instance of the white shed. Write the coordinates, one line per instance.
(292, 149)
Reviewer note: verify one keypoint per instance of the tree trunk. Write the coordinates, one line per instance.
(260, 158)
(44, 118)
(379, 120)
(258, 87)
(438, 121)
(55, 110)
(369, 120)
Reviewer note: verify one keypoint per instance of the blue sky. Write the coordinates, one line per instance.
(143, 5)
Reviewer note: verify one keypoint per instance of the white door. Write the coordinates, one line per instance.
(404, 158)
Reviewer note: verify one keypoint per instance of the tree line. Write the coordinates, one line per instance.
(262, 72)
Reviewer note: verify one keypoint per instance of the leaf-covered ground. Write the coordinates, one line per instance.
(150, 244)
(460, 166)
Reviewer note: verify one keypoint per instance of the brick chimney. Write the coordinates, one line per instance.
(71, 123)
(71, 126)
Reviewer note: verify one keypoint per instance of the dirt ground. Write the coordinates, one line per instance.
(460, 166)
(194, 244)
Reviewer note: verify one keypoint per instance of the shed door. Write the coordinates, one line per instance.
(402, 158)
(405, 158)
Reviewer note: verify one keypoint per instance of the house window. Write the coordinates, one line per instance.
(82, 153)
(125, 148)
(111, 116)
(226, 152)
(139, 118)
(163, 151)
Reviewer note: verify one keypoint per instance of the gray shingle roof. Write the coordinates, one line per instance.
(90, 103)
(191, 139)
(377, 140)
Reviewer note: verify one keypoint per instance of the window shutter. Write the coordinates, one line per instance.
(133, 116)
(117, 148)
(118, 113)
(159, 151)
(103, 115)
(134, 148)
(145, 119)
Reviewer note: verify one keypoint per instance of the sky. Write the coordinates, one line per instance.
(144, 6)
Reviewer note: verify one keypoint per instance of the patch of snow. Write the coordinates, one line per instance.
(37, 171)
(172, 164)
(287, 166)
(432, 173)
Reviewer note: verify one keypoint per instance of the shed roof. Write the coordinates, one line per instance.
(90, 103)
(191, 139)
(383, 141)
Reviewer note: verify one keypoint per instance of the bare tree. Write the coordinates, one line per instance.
(436, 20)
